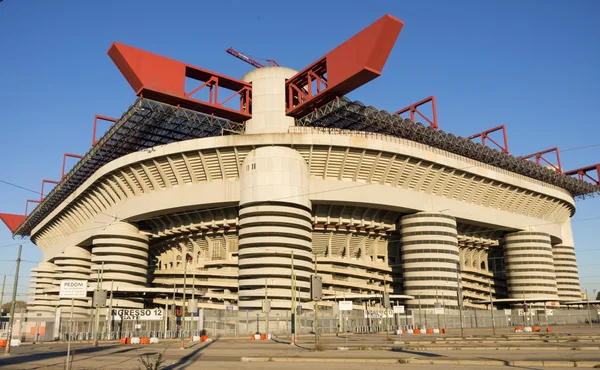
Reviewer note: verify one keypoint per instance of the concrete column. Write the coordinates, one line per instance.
(43, 301)
(124, 252)
(73, 264)
(268, 100)
(275, 219)
(567, 274)
(530, 265)
(429, 258)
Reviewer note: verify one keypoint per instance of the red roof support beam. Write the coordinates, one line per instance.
(12, 221)
(62, 174)
(43, 183)
(102, 118)
(583, 174)
(347, 67)
(413, 109)
(485, 135)
(27, 205)
(539, 157)
(159, 78)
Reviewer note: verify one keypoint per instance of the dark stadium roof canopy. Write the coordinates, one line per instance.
(148, 123)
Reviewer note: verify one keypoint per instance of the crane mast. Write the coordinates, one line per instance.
(249, 60)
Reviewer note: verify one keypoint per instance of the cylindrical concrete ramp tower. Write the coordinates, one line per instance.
(275, 220)
(530, 266)
(44, 303)
(73, 264)
(430, 258)
(124, 252)
(567, 276)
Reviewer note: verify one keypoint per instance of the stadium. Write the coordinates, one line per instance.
(238, 190)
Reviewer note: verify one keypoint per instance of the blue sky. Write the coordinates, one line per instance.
(531, 65)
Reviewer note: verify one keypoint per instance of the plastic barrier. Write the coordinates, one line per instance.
(436, 331)
(409, 331)
(255, 337)
(549, 329)
(145, 340)
(417, 331)
(428, 331)
(443, 331)
(203, 338)
(536, 329)
(527, 329)
(15, 342)
(195, 338)
(398, 332)
(2, 342)
(135, 340)
(154, 340)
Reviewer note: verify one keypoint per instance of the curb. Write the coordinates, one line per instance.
(414, 361)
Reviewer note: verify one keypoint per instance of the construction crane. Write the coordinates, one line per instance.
(249, 60)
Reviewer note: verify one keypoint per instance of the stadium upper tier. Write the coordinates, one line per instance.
(148, 123)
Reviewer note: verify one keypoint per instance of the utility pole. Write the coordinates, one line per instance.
(420, 310)
(2, 295)
(266, 309)
(110, 315)
(181, 344)
(193, 297)
(437, 305)
(459, 298)
(12, 304)
(387, 320)
(587, 297)
(293, 302)
(316, 313)
(492, 305)
(97, 306)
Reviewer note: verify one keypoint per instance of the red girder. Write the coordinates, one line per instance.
(583, 173)
(413, 109)
(12, 221)
(350, 65)
(43, 183)
(539, 156)
(62, 175)
(102, 118)
(485, 136)
(156, 77)
(27, 204)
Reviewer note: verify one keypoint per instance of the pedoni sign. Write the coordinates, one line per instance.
(138, 314)
(73, 289)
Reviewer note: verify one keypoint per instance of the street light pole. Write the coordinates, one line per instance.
(181, 343)
(588, 306)
(459, 298)
(492, 305)
(12, 304)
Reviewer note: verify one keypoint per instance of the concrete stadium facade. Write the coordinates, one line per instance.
(370, 212)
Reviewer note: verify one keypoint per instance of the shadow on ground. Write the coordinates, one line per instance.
(21, 359)
(190, 358)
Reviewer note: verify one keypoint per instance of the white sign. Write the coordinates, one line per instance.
(137, 314)
(549, 312)
(73, 289)
(438, 310)
(507, 311)
(345, 305)
(398, 309)
(378, 313)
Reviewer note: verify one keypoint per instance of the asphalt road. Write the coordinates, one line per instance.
(227, 353)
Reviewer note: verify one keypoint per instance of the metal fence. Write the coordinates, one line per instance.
(216, 323)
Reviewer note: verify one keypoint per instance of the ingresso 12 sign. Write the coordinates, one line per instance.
(137, 314)
(73, 289)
